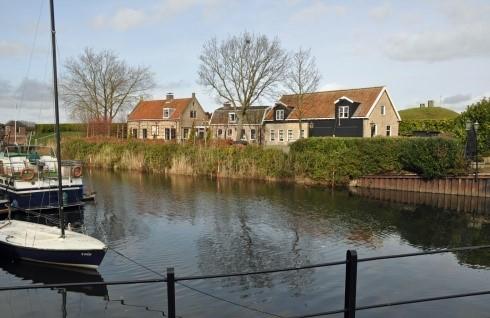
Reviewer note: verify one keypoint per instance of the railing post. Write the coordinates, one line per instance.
(350, 284)
(171, 292)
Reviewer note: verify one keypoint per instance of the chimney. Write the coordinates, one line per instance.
(142, 98)
(227, 105)
(422, 105)
(430, 103)
(170, 96)
(193, 95)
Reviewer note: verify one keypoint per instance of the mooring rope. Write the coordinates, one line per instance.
(230, 301)
(195, 289)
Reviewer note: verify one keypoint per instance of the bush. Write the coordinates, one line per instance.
(325, 160)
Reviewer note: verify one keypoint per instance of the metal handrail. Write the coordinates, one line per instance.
(351, 262)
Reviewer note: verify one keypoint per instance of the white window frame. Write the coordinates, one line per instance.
(253, 134)
(193, 112)
(244, 134)
(302, 133)
(281, 135)
(232, 117)
(273, 135)
(343, 111)
(168, 111)
(186, 133)
(383, 110)
(280, 114)
(290, 135)
(388, 130)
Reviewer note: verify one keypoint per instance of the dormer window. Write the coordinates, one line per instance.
(231, 117)
(280, 114)
(343, 111)
(167, 112)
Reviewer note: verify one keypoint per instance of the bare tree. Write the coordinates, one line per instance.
(242, 69)
(302, 78)
(100, 85)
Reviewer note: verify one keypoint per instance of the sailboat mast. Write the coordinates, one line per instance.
(57, 125)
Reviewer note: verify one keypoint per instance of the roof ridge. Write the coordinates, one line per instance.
(339, 90)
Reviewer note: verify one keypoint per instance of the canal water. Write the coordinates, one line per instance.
(201, 226)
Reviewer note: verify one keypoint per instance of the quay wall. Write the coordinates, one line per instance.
(463, 185)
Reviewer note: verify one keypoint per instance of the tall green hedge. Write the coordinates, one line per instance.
(408, 127)
(341, 159)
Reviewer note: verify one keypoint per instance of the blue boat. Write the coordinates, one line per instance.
(29, 178)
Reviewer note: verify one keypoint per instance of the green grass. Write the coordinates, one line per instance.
(48, 138)
(427, 113)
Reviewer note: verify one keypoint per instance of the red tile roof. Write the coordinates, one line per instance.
(322, 104)
(153, 109)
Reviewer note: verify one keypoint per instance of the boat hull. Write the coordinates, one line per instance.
(73, 258)
(43, 199)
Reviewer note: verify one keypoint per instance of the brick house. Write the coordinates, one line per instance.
(18, 131)
(224, 123)
(360, 112)
(168, 119)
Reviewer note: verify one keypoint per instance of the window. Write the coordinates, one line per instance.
(145, 133)
(253, 135)
(273, 135)
(232, 117)
(290, 134)
(343, 111)
(280, 114)
(243, 135)
(134, 133)
(281, 135)
(219, 132)
(193, 114)
(388, 130)
(154, 131)
(230, 132)
(383, 110)
(302, 133)
(167, 112)
(186, 133)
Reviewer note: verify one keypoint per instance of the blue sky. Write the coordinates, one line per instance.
(419, 49)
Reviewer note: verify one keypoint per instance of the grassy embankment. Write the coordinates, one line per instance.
(315, 160)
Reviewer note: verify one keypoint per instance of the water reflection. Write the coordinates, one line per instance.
(203, 226)
(50, 274)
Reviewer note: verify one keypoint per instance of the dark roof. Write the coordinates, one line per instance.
(153, 109)
(322, 104)
(253, 115)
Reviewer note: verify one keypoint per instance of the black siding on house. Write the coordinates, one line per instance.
(341, 128)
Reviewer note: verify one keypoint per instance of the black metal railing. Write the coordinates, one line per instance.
(350, 288)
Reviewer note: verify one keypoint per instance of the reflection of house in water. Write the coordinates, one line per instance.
(442, 201)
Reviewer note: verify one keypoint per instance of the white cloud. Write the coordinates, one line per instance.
(123, 19)
(8, 49)
(456, 99)
(317, 10)
(463, 33)
(380, 12)
(440, 45)
(128, 18)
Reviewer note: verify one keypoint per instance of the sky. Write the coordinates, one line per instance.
(418, 49)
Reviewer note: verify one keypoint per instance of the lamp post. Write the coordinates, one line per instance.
(473, 128)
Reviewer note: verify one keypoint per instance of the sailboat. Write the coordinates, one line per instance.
(51, 244)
